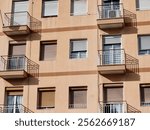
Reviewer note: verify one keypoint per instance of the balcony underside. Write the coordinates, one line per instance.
(110, 23)
(16, 30)
(112, 69)
(13, 74)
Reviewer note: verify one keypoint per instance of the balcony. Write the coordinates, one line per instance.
(112, 61)
(20, 23)
(19, 66)
(117, 107)
(110, 16)
(14, 108)
(78, 106)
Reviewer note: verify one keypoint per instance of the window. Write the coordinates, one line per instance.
(78, 49)
(48, 50)
(142, 4)
(145, 94)
(144, 45)
(50, 8)
(113, 98)
(17, 48)
(14, 99)
(78, 7)
(77, 97)
(112, 50)
(16, 59)
(46, 98)
(19, 9)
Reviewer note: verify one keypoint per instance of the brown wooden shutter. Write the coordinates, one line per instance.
(14, 91)
(78, 95)
(112, 94)
(17, 49)
(46, 98)
(48, 51)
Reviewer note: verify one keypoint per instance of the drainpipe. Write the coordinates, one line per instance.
(1, 17)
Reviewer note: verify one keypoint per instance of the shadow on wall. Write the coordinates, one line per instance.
(130, 22)
(130, 18)
(132, 71)
(27, 81)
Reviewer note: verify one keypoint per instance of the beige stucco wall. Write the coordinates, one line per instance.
(66, 27)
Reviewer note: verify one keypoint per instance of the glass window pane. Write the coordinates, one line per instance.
(143, 4)
(78, 48)
(144, 42)
(50, 7)
(78, 7)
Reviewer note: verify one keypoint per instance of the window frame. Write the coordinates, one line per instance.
(79, 52)
(41, 55)
(138, 6)
(72, 89)
(142, 86)
(45, 89)
(139, 46)
(47, 16)
(79, 14)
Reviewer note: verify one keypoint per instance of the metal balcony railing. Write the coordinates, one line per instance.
(14, 108)
(111, 57)
(77, 105)
(12, 19)
(145, 103)
(117, 107)
(109, 11)
(113, 107)
(19, 62)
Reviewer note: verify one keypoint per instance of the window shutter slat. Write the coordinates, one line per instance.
(143, 4)
(47, 98)
(79, 7)
(78, 45)
(113, 94)
(112, 39)
(17, 49)
(50, 8)
(144, 42)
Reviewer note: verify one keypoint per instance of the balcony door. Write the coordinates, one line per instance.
(16, 59)
(111, 8)
(19, 12)
(113, 100)
(111, 50)
(14, 102)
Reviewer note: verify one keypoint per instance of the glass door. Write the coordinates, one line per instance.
(112, 54)
(14, 103)
(19, 12)
(110, 8)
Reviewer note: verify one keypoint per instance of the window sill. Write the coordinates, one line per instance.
(51, 16)
(143, 10)
(41, 108)
(78, 14)
(51, 60)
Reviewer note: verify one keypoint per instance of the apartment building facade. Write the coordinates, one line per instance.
(75, 56)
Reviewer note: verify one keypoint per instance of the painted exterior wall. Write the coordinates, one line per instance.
(64, 72)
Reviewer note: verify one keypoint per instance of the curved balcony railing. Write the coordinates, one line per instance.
(19, 62)
(109, 11)
(14, 108)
